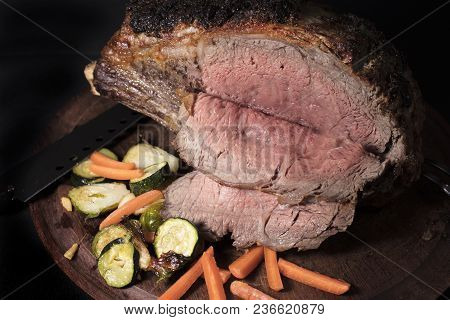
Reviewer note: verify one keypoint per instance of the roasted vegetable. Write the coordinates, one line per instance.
(139, 244)
(81, 175)
(176, 235)
(71, 252)
(66, 203)
(125, 199)
(154, 176)
(182, 285)
(135, 227)
(145, 259)
(114, 173)
(108, 235)
(151, 219)
(93, 200)
(144, 155)
(105, 161)
(167, 264)
(118, 263)
(78, 181)
(157, 205)
(114, 238)
(108, 153)
(131, 207)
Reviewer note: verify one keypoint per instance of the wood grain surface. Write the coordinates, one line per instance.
(398, 252)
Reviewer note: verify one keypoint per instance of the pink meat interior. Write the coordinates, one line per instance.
(246, 147)
(282, 81)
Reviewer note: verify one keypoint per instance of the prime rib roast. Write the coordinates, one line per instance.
(253, 216)
(289, 113)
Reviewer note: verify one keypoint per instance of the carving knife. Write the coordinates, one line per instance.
(38, 172)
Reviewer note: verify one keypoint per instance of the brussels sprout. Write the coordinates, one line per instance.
(151, 219)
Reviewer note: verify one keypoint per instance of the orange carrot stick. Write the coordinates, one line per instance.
(114, 173)
(182, 285)
(246, 263)
(212, 278)
(311, 278)
(247, 292)
(130, 207)
(272, 271)
(102, 160)
(224, 275)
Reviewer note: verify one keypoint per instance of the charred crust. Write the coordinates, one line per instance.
(354, 41)
(158, 17)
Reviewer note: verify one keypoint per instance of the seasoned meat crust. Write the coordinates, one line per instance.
(162, 16)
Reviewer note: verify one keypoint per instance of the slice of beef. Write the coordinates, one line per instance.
(291, 61)
(253, 217)
(245, 148)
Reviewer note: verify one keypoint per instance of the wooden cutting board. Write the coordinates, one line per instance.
(402, 251)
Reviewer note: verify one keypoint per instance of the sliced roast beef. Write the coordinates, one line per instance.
(293, 83)
(290, 112)
(297, 65)
(245, 148)
(252, 216)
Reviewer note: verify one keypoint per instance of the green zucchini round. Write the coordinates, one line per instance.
(108, 235)
(176, 235)
(118, 263)
(154, 176)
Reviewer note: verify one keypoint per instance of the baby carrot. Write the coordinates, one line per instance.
(212, 278)
(102, 160)
(272, 271)
(247, 292)
(311, 278)
(246, 263)
(182, 285)
(130, 207)
(114, 173)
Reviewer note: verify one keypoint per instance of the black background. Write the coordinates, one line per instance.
(38, 74)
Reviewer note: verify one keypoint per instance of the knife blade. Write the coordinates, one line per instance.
(41, 170)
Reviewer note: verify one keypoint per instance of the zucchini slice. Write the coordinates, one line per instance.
(81, 175)
(154, 176)
(108, 235)
(93, 200)
(117, 264)
(176, 235)
(144, 155)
